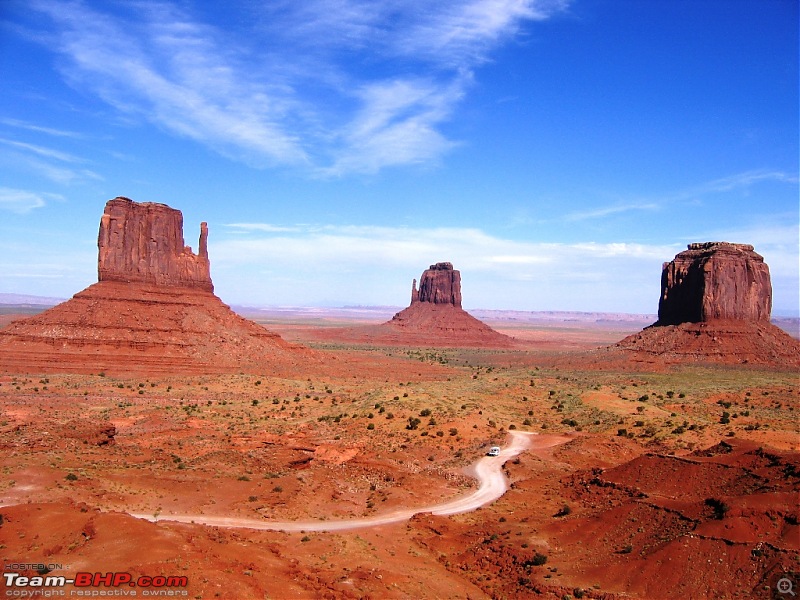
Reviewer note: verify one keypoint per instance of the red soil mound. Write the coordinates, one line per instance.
(425, 323)
(727, 342)
(422, 324)
(117, 327)
(651, 524)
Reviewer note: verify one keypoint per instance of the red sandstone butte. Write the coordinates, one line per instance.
(715, 306)
(715, 281)
(143, 242)
(152, 310)
(439, 284)
(435, 316)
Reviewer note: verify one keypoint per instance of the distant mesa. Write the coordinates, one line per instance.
(435, 316)
(152, 310)
(715, 305)
(713, 281)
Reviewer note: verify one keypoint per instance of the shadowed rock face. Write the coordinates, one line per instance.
(440, 284)
(143, 242)
(715, 281)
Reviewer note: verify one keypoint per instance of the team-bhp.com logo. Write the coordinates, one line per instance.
(94, 585)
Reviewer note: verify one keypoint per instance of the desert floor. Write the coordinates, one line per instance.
(678, 482)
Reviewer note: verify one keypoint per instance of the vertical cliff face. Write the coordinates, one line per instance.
(440, 284)
(715, 281)
(143, 242)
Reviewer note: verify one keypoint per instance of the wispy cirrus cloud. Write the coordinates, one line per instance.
(742, 182)
(56, 165)
(294, 92)
(42, 151)
(40, 128)
(24, 201)
(738, 181)
(610, 210)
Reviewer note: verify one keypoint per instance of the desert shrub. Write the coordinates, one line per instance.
(71, 477)
(622, 432)
(413, 423)
(538, 559)
(626, 549)
(725, 418)
(243, 478)
(719, 508)
(371, 426)
(425, 412)
(564, 511)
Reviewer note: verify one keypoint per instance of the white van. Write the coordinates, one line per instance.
(494, 451)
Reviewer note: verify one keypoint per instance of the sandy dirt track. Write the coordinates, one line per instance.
(487, 470)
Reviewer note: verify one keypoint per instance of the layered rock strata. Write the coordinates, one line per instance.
(439, 284)
(435, 316)
(715, 304)
(143, 242)
(152, 311)
(715, 281)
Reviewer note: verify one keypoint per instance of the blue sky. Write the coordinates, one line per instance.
(556, 151)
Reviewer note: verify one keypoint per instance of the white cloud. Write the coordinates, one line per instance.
(40, 129)
(288, 91)
(610, 210)
(374, 265)
(460, 34)
(334, 265)
(23, 201)
(42, 151)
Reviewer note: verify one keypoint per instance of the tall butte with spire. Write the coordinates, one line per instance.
(715, 305)
(435, 316)
(152, 310)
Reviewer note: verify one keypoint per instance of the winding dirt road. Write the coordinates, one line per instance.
(487, 470)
